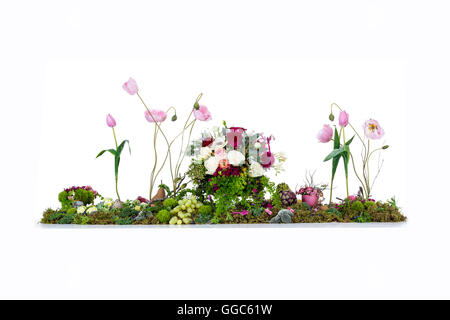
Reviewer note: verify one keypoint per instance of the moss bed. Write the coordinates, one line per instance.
(301, 213)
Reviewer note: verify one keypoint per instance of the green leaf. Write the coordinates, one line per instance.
(121, 146)
(349, 141)
(112, 151)
(335, 153)
(337, 144)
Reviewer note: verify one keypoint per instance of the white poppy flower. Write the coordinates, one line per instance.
(235, 158)
(211, 165)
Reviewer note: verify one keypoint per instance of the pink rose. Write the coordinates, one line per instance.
(110, 121)
(343, 119)
(202, 114)
(372, 129)
(158, 115)
(130, 86)
(220, 153)
(326, 134)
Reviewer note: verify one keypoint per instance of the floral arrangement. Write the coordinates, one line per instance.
(228, 169)
(229, 178)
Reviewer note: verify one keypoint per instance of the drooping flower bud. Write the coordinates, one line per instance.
(331, 117)
(385, 147)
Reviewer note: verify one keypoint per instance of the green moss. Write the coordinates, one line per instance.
(170, 203)
(163, 216)
(71, 211)
(205, 210)
(357, 206)
(85, 196)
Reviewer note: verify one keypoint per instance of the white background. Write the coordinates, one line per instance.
(273, 66)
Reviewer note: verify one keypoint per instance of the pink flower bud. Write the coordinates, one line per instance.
(130, 86)
(343, 119)
(110, 121)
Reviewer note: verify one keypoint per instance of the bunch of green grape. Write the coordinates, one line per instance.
(182, 212)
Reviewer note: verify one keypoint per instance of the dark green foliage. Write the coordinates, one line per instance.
(256, 211)
(170, 203)
(334, 211)
(364, 217)
(357, 206)
(203, 218)
(127, 212)
(163, 216)
(55, 216)
(67, 219)
(124, 221)
(306, 206)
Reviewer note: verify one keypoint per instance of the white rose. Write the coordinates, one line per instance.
(205, 153)
(211, 165)
(235, 158)
(256, 170)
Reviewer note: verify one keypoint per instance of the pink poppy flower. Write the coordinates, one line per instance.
(343, 119)
(130, 86)
(110, 121)
(372, 129)
(202, 114)
(158, 115)
(326, 134)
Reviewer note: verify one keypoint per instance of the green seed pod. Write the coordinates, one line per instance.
(385, 147)
(331, 117)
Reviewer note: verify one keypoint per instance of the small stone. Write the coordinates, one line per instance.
(77, 204)
(117, 204)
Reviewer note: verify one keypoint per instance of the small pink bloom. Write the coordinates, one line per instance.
(343, 119)
(220, 153)
(244, 212)
(351, 198)
(224, 164)
(158, 115)
(130, 86)
(291, 210)
(110, 121)
(268, 212)
(202, 114)
(372, 129)
(325, 134)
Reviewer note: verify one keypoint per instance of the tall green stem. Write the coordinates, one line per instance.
(116, 175)
(346, 169)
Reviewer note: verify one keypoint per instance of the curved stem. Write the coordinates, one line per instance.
(346, 169)
(356, 173)
(152, 176)
(185, 151)
(173, 140)
(162, 132)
